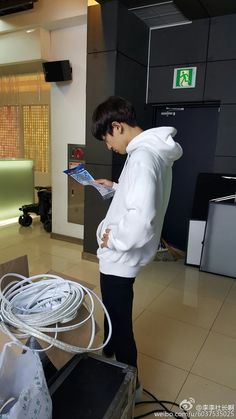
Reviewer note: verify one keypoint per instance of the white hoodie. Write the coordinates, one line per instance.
(136, 214)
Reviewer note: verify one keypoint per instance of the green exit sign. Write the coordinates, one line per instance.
(184, 78)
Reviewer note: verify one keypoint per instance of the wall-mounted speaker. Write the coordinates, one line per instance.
(57, 71)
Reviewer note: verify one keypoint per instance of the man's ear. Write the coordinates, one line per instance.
(118, 126)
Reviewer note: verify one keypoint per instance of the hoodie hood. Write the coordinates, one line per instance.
(160, 142)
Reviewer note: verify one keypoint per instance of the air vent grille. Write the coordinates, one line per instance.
(160, 15)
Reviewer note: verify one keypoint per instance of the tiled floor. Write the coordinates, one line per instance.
(184, 320)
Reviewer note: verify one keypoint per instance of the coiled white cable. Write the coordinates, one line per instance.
(43, 304)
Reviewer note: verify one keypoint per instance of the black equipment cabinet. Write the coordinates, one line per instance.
(92, 387)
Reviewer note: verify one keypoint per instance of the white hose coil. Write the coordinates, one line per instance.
(44, 304)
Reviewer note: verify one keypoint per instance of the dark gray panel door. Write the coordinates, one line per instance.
(197, 129)
(220, 81)
(179, 44)
(161, 90)
(222, 45)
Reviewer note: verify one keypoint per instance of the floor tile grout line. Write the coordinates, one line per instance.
(177, 320)
(163, 362)
(226, 296)
(210, 331)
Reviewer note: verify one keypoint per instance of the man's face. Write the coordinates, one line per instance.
(116, 142)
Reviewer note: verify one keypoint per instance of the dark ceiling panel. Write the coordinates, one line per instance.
(136, 3)
(219, 8)
(192, 9)
(8, 7)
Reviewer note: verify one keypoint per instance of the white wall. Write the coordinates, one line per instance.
(67, 22)
(68, 105)
(46, 13)
(21, 46)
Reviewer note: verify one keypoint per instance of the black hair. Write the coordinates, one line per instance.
(115, 108)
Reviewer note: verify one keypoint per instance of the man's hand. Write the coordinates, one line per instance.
(104, 182)
(105, 238)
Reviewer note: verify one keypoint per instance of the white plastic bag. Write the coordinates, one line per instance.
(23, 388)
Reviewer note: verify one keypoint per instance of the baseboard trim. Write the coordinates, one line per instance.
(66, 238)
(89, 256)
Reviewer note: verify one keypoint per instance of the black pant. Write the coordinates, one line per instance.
(117, 295)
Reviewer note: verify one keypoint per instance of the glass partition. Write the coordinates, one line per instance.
(16, 186)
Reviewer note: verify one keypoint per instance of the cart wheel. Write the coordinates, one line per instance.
(47, 226)
(25, 220)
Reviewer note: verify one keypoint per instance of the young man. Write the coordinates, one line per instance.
(129, 235)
